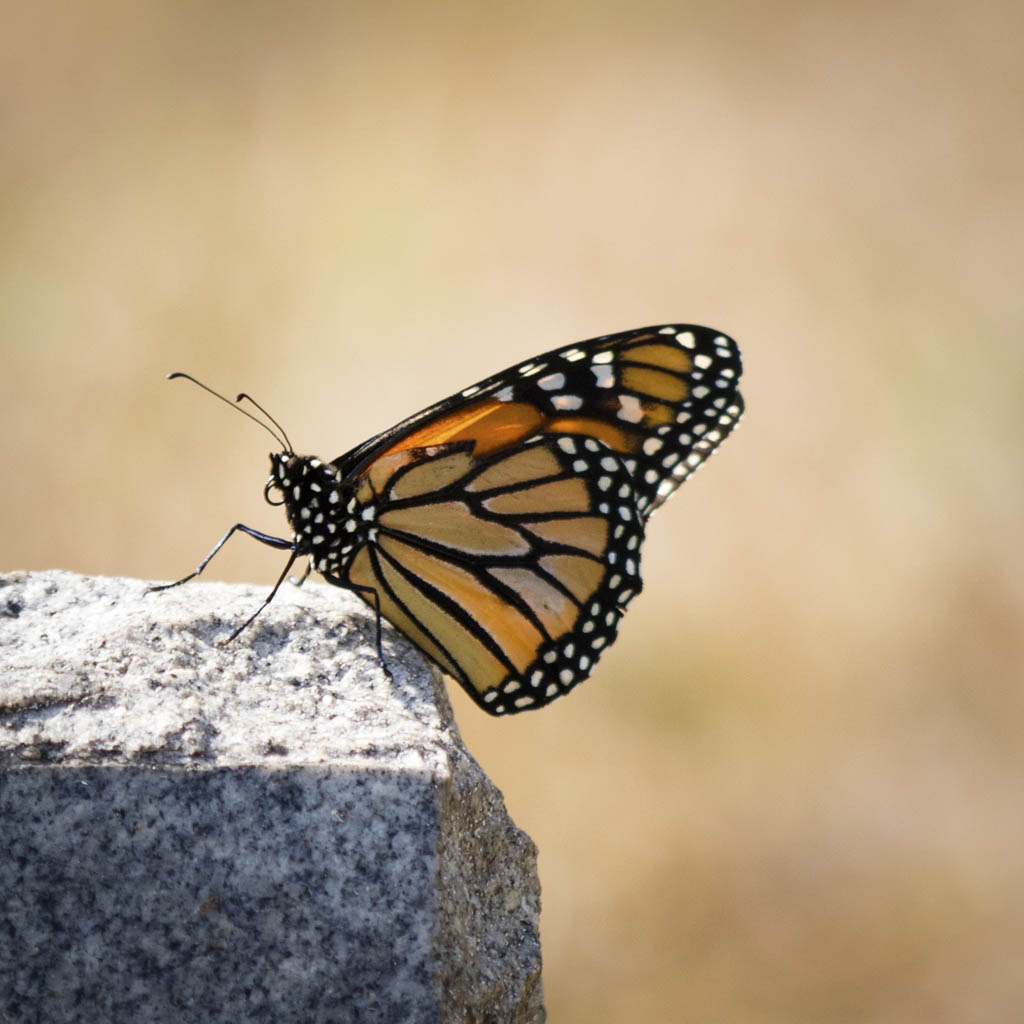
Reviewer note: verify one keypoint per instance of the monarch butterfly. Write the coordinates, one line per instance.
(500, 529)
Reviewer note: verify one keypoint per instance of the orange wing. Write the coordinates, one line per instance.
(510, 570)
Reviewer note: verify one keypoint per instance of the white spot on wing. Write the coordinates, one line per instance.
(630, 409)
(567, 401)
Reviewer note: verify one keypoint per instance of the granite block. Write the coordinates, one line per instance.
(270, 829)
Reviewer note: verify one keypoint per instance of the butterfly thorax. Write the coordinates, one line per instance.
(327, 520)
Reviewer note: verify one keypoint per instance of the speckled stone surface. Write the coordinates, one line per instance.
(270, 830)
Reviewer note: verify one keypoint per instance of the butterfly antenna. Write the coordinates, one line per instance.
(249, 398)
(281, 439)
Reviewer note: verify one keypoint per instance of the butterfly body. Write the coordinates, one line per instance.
(501, 529)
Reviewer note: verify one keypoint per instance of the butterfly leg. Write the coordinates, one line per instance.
(369, 595)
(380, 648)
(376, 609)
(263, 538)
(270, 597)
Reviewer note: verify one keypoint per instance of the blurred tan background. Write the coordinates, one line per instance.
(794, 790)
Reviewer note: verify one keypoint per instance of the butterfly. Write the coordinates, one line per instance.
(501, 529)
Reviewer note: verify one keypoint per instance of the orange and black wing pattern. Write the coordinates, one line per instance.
(501, 529)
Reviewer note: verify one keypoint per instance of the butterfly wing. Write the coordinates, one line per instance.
(510, 570)
(664, 398)
(509, 517)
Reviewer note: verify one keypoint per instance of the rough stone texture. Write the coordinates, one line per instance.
(268, 830)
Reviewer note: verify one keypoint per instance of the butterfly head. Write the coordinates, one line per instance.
(317, 502)
(285, 467)
(301, 482)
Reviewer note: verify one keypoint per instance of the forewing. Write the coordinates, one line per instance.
(663, 398)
